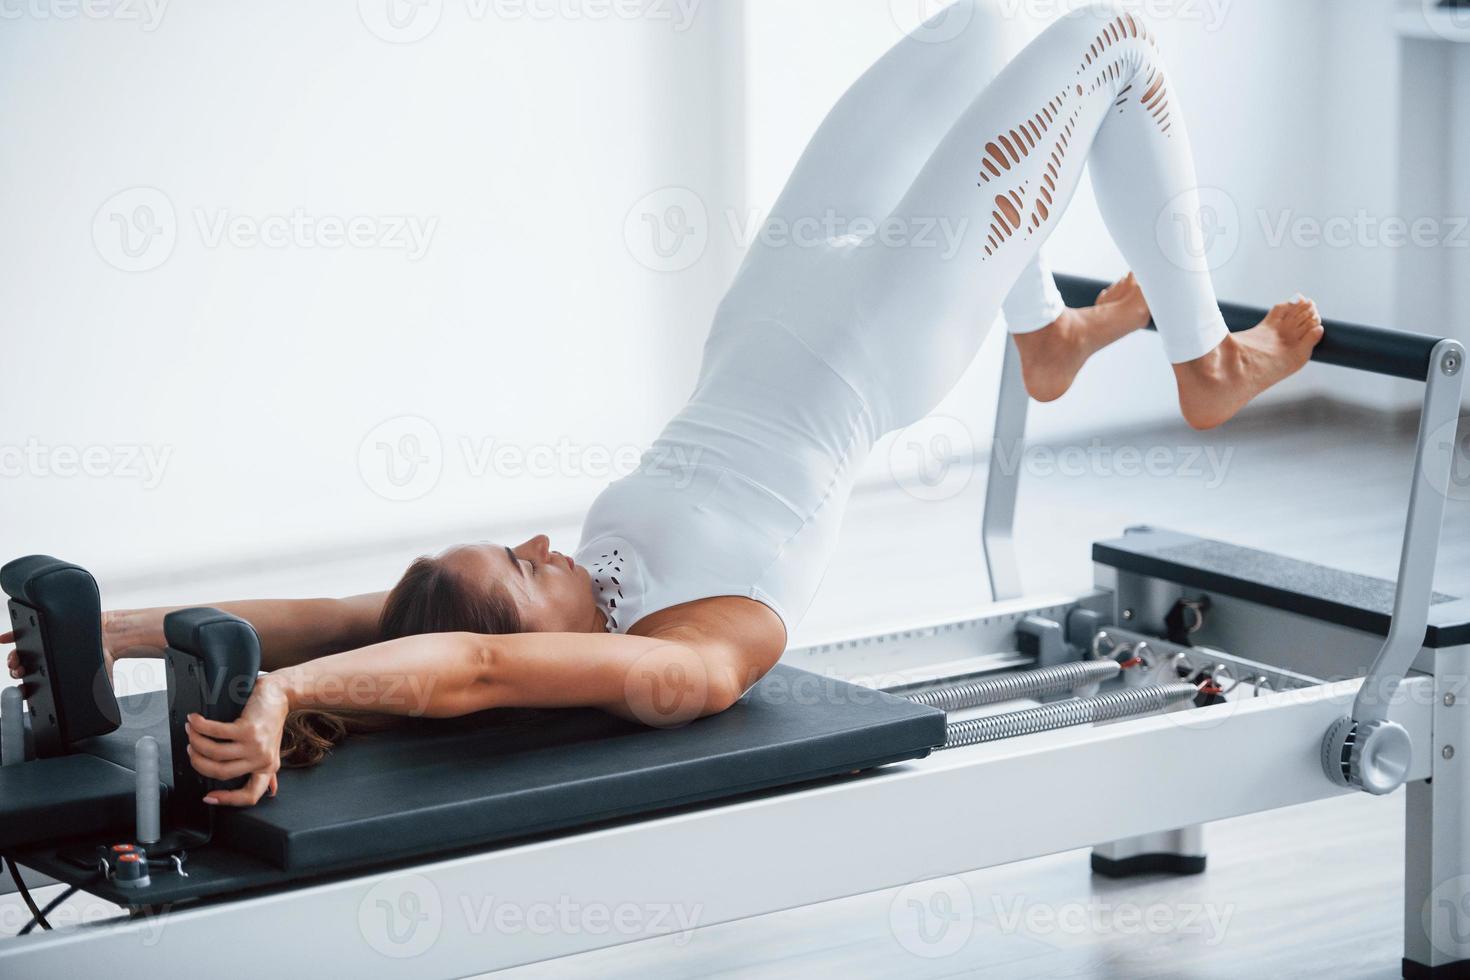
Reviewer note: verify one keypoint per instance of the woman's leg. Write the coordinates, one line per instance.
(876, 140)
(1091, 89)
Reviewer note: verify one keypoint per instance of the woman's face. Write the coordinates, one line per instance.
(552, 593)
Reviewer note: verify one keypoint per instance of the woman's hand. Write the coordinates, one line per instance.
(115, 643)
(249, 746)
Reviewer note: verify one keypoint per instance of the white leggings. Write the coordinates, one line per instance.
(951, 132)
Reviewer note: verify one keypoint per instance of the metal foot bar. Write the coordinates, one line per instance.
(1066, 714)
(1059, 679)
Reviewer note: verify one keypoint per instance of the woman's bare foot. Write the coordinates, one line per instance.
(1214, 387)
(1052, 356)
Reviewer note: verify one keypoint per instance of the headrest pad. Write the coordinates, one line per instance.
(26, 578)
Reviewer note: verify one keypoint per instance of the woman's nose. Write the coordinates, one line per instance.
(542, 546)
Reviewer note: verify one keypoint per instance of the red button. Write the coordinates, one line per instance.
(130, 857)
(124, 847)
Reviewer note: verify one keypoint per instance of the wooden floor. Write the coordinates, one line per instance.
(1313, 891)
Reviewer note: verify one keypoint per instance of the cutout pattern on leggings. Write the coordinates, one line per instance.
(1011, 214)
(1155, 97)
(1007, 150)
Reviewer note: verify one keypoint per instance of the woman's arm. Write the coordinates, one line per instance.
(655, 681)
(291, 630)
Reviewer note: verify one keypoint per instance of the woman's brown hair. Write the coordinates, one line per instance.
(430, 598)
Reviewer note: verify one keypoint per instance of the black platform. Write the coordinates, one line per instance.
(1356, 601)
(439, 787)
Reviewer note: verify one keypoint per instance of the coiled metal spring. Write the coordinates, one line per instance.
(1026, 684)
(1065, 714)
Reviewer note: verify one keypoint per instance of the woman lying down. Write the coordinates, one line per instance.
(685, 584)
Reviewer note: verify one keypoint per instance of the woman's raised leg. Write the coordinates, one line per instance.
(1091, 89)
(878, 137)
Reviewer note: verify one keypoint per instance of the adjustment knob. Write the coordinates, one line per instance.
(1372, 756)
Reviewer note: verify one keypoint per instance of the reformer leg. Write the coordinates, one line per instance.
(1175, 852)
(1437, 836)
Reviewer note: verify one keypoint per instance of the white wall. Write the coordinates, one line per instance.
(535, 316)
(544, 315)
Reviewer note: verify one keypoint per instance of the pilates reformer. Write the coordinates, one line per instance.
(380, 862)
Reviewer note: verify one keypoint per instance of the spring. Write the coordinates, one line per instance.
(1065, 714)
(1026, 684)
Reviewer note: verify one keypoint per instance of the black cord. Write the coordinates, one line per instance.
(25, 894)
(50, 907)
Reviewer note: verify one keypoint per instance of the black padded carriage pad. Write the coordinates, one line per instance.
(1327, 594)
(442, 785)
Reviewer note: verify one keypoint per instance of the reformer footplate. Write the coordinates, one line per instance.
(1325, 594)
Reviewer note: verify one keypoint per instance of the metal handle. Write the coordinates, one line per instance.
(1376, 350)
